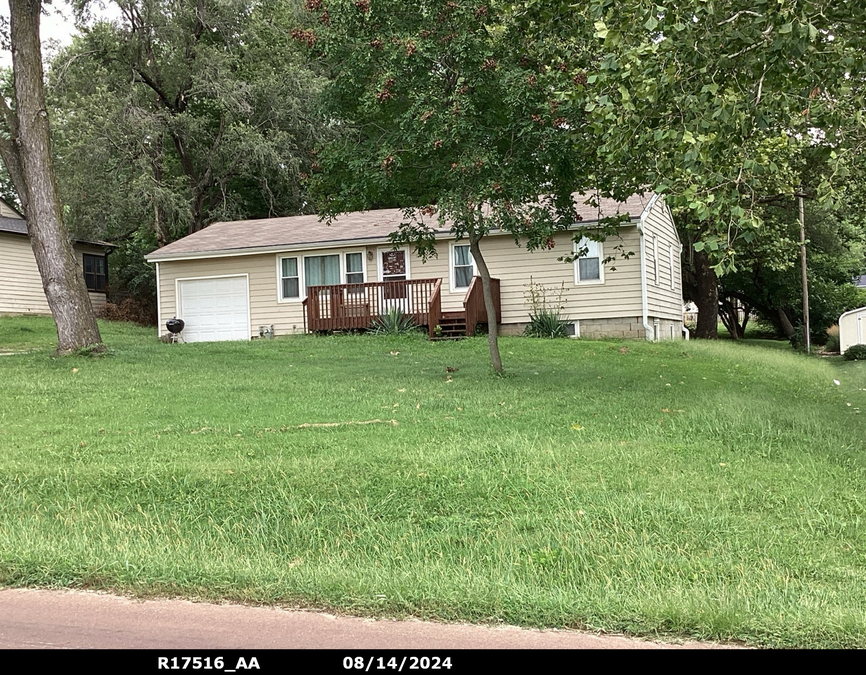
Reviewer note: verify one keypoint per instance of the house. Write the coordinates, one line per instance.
(860, 281)
(20, 283)
(232, 280)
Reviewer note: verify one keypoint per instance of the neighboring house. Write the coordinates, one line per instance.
(21, 289)
(298, 274)
(860, 282)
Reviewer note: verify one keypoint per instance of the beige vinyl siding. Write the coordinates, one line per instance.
(662, 301)
(618, 296)
(287, 316)
(7, 211)
(20, 282)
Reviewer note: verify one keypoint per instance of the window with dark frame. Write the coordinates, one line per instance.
(95, 272)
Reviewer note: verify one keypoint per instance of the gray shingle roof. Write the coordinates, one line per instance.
(308, 231)
(16, 225)
(19, 226)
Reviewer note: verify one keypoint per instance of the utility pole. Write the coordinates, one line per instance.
(803, 271)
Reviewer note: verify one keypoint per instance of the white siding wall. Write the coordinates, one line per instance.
(663, 301)
(20, 283)
(852, 329)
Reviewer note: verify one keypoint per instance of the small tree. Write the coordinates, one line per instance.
(445, 117)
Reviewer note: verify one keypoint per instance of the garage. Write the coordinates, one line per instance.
(215, 308)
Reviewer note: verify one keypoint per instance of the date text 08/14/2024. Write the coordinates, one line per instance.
(357, 663)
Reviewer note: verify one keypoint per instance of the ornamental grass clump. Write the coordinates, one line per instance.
(395, 322)
(545, 311)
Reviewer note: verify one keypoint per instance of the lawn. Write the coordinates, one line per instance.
(701, 490)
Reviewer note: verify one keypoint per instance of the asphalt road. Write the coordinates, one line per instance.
(47, 619)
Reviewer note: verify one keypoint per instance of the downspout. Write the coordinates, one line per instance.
(650, 333)
(158, 304)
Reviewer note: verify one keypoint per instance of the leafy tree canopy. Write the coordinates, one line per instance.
(202, 110)
(443, 114)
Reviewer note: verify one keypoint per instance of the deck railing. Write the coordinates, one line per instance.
(473, 304)
(355, 306)
(435, 315)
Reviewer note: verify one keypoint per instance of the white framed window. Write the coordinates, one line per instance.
(462, 267)
(354, 267)
(295, 275)
(321, 270)
(290, 279)
(672, 258)
(588, 269)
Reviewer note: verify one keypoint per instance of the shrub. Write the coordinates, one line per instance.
(855, 353)
(394, 323)
(832, 344)
(130, 309)
(545, 313)
(547, 324)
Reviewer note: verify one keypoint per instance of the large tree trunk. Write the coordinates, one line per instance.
(785, 324)
(706, 297)
(489, 306)
(62, 278)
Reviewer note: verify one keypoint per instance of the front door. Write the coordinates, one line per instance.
(393, 270)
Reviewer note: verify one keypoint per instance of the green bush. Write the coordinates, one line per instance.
(832, 344)
(547, 325)
(546, 305)
(855, 353)
(394, 323)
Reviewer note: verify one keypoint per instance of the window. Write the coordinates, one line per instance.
(354, 268)
(290, 281)
(95, 272)
(588, 268)
(294, 278)
(321, 270)
(464, 266)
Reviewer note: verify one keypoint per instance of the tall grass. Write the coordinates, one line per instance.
(704, 490)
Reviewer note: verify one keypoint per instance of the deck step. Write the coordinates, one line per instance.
(452, 326)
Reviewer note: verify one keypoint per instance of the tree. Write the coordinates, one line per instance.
(444, 116)
(178, 115)
(25, 146)
(207, 107)
(711, 103)
(768, 278)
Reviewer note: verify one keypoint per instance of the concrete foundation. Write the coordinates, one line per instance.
(623, 327)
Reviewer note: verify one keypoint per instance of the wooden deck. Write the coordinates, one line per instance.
(356, 306)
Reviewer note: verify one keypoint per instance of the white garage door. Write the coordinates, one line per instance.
(215, 309)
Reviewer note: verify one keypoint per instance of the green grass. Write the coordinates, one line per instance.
(701, 490)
